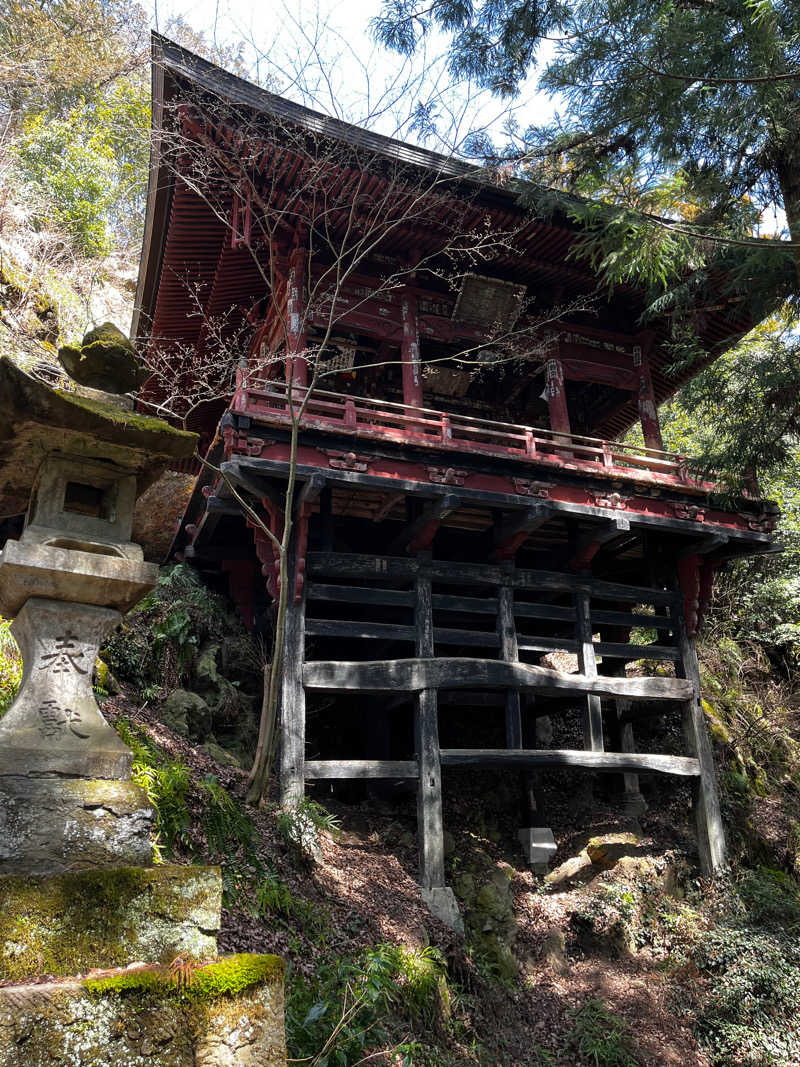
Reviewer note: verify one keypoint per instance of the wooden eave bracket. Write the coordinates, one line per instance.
(514, 530)
(590, 544)
(418, 535)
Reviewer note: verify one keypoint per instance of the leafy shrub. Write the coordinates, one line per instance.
(750, 959)
(158, 646)
(166, 783)
(300, 826)
(341, 1014)
(10, 667)
(600, 1036)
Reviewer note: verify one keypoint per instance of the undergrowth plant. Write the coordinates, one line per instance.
(166, 783)
(342, 1015)
(601, 1037)
(10, 667)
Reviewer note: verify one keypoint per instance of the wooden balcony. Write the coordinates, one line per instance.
(381, 420)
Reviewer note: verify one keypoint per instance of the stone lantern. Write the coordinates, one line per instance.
(75, 462)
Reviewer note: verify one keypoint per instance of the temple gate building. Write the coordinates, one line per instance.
(464, 506)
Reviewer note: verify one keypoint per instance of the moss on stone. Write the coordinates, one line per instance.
(130, 419)
(67, 923)
(207, 982)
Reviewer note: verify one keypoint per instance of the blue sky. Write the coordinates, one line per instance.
(323, 55)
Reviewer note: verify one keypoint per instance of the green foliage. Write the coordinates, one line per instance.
(160, 643)
(166, 783)
(273, 900)
(600, 1036)
(85, 171)
(341, 1014)
(59, 52)
(301, 826)
(10, 667)
(751, 961)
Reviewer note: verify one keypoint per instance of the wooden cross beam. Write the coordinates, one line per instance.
(587, 546)
(515, 529)
(418, 535)
(253, 483)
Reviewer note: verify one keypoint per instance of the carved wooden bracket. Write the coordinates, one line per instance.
(615, 501)
(446, 475)
(348, 461)
(527, 487)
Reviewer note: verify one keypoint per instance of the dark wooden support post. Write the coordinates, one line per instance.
(708, 818)
(429, 795)
(587, 665)
(507, 632)
(409, 352)
(293, 697)
(296, 336)
(646, 398)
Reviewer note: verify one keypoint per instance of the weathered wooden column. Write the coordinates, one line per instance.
(587, 665)
(646, 399)
(429, 794)
(509, 652)
(293, 696)
(705, 796)
(296, 325)
(409, 352)
(439, 897)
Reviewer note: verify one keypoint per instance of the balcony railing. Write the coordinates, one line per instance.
(384, 420)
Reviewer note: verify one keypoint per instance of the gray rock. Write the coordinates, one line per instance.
(187, 714)
(216, 752)
(104, 360)
(68, 1024)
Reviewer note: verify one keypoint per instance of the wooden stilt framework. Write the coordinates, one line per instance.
(509, 601)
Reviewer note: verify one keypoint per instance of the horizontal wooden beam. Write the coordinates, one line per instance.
(613, 650)
(279, 468)
(563, 757)
(361, 768)
(451, 672)
(362, 565)
(630, 618)
(389, 631)
(351, 594)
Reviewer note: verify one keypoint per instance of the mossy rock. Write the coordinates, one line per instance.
(226, 1013)
(187, 714)
(70, 923)
(105, 360)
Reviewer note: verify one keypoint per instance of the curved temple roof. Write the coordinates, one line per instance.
(184, 240)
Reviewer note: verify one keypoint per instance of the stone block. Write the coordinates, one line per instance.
(538, 845)
(48, 826)
(64, 570)
(442, 904)
(225, 1014)
(70, 923)
(55, 726)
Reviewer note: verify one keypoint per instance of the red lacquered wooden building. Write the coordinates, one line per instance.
(464, 504)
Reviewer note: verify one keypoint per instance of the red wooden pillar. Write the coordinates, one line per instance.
(648, 411)
(556, 396)
(409, 353)
(297, 340)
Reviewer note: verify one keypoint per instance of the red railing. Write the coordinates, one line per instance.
(382, 419)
